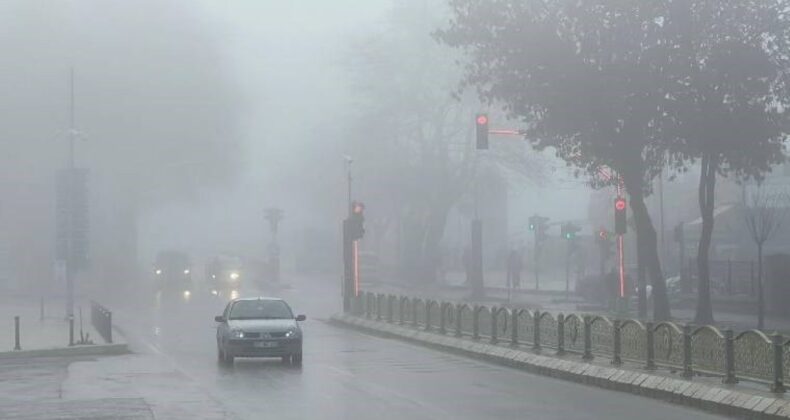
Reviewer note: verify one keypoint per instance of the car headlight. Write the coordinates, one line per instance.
(158, 272)
(214, 292)
(234, 294)
(234, 276)
(187, 294)
(292, 334)
(186, 271)
(237, 334)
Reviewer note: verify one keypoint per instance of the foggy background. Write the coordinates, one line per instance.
(196, 115)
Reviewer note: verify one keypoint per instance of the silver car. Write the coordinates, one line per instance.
(259, 327)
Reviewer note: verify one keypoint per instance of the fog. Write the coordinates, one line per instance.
(477, 162)
(192, 118)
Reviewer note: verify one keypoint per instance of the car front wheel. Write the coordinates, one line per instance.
(296, 359)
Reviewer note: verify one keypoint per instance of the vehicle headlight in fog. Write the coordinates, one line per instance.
(237, 334)
(234, 294)
(292, 334)
(186, 271)
(213, 276)
(187, 294)
(214, 292)
(158, 271)
(234, 276)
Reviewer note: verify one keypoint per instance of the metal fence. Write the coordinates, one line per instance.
(101, 318)
(688, 349)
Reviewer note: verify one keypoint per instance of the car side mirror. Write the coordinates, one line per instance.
(219, 318)
(300, 317)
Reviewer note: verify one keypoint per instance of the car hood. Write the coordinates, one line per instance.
(262, 325)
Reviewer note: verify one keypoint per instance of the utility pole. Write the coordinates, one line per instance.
(69, 269)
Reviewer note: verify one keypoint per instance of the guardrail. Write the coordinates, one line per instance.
(101, 319)
(689, 349)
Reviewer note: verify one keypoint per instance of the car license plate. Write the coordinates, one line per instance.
(265, 344)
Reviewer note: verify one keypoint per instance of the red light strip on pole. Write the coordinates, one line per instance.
(622, 265)
(356, 268)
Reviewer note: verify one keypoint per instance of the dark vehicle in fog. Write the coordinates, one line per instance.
(259, 327)
(173, 277)
(225, 276)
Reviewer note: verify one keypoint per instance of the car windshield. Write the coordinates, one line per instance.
(260, 309)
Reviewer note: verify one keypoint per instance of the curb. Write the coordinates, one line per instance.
(80, 350)
(725, 400)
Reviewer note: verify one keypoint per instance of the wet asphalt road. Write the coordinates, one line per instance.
(350, 375)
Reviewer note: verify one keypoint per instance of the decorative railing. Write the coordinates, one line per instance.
(101, 318)
(688, 349)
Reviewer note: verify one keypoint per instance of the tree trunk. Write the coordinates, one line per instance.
(641, 278)
(647, 235)
(431, 255)
(760, 294)
(707, 186)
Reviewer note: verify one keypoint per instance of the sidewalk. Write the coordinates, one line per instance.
(142, 386)
(49, 336)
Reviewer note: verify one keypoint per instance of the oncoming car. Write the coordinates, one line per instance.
(172, 276)
(224, 275)
(259, 327)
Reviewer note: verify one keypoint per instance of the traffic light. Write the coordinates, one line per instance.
(620, 226)
(481, 127)
(569, 230)
(356, 222)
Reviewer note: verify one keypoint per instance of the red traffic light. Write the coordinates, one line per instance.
(482, 119)
(358, 208)
(619, 204)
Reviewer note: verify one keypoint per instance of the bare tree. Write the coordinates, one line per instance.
(764, 214)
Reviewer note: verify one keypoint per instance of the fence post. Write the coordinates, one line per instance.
(729, 358)
(616, 359)
(587, 338)
(536, 333)
(442, 321)
(368, 304)
(458, 312)
(109, 327)
(401, 307)
(560, 334)
(650, 362)
(16, 334)
(390, 309)
(71, 330)
(514, 328)
(475, 323)
(688, 372)
(729, 276)
(379, 301)
(414, 312)
(778, 344)
(494, 316)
